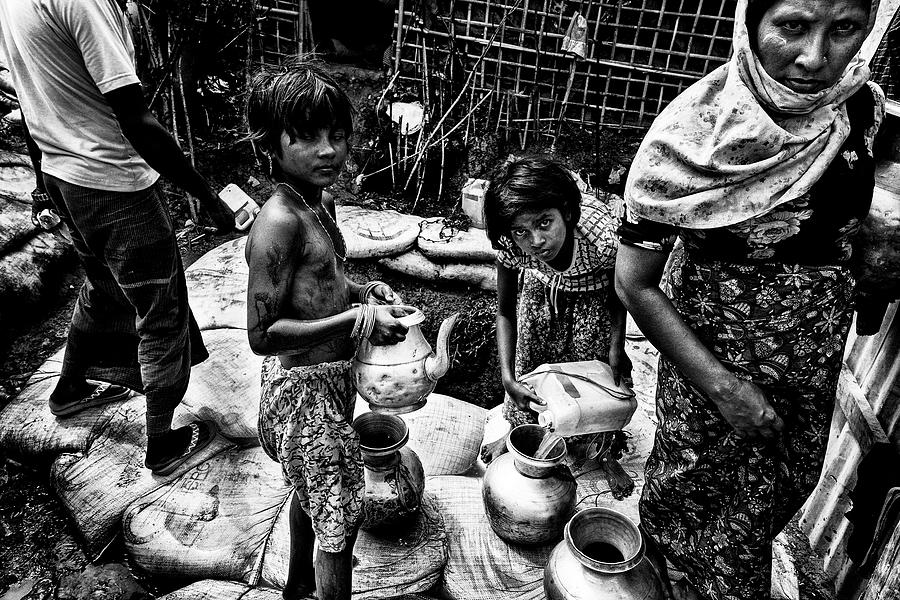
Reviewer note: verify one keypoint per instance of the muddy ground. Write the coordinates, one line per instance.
(40, 557)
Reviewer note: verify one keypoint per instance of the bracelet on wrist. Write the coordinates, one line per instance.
(368, 289)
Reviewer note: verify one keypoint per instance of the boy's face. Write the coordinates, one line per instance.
(314, 158)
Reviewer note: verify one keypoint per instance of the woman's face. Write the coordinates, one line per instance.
(805, 45)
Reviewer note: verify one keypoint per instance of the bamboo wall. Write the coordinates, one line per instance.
(640, 55)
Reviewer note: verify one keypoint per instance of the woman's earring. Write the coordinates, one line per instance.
(271, 162)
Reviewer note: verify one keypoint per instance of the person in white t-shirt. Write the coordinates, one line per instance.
(72, 64)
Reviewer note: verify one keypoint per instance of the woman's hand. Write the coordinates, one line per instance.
(746, 409)
(522, 395)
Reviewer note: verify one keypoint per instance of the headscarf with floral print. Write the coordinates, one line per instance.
(737, 143)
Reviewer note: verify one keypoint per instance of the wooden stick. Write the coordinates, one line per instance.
(441, 173)
(562, 108)
(391, 158)
(187, 117)
(465, 87)
(191, 201)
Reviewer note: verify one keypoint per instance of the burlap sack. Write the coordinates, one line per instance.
(445, 433)
(442, 243)
(211, 589)
(415, 264)
(212, 522)
(225, 387)
(409, 563)
(28, 430)
(217, 286)
(481, 566)
(376, 233)
(99, 485)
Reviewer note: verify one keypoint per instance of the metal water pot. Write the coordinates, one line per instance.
(528, 500)
(394, 476)
(601, 557)
(397, 379)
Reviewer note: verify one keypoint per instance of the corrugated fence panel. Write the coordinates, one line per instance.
(867, 407)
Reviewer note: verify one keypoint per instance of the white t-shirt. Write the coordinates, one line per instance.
(64, 55)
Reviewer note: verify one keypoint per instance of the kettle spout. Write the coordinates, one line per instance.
(436, 366)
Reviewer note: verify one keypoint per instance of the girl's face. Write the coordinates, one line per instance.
(314, 158)
(540, 233)
(805, 45)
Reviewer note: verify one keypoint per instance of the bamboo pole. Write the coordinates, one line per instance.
(399, 39)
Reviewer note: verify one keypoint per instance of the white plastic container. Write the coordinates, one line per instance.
(581, 398)
(473, 200)
(243, 206)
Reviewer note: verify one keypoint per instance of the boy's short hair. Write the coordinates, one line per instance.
(528, 184)
(298, 97)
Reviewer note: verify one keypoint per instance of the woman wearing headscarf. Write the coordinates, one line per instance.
(764, 170)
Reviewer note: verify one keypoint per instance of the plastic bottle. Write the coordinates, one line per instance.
(243, 206)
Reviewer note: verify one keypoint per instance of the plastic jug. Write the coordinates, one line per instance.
(243, 206)
(581, 398)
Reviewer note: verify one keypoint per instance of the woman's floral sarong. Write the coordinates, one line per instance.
(712, 501)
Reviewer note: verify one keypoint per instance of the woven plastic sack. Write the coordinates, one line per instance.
(415, 264)
(30, 431)
(213, 589)
(481, 566)
(212, 522)
(99, 485)
(376, 233)
(442, 243)
(409, 563)
(217, 287)
(26, 272)
(225, 387)
(445, 433)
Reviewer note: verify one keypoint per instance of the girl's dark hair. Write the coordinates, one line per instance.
(298, 97)
(528, 184)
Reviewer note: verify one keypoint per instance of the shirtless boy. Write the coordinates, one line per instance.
(299, 314)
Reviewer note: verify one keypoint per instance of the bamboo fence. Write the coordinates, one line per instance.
(640, 54)
(284, 30)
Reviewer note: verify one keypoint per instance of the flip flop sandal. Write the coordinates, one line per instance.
(202, 433)
(103, 393)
